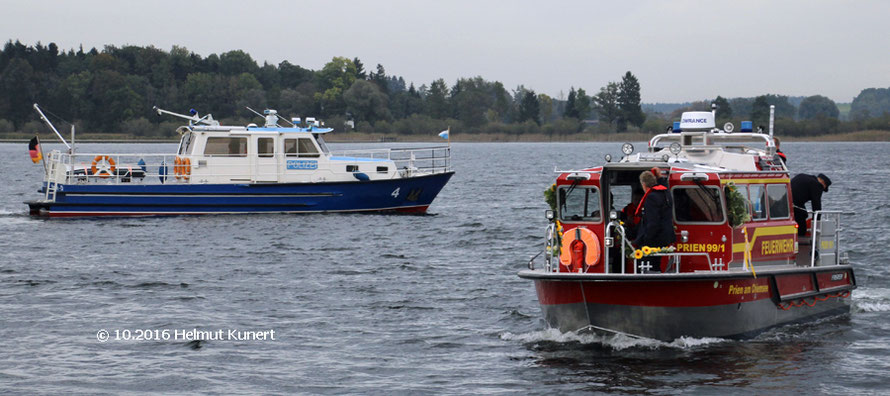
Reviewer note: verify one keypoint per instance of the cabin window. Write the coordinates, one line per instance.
(698, 204)
(306, 148)
(302, 147)
(320, 140)
(187, 143)
(265, 147)
(778, 201)
(226, 147)
(352, 168)
(382, 169)
(757, 197)
(290, 147)
(579, 204)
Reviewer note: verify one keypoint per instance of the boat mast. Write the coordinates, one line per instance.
(51, 126)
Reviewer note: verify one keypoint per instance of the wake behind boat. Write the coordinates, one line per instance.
(242, 169)
(737, 267)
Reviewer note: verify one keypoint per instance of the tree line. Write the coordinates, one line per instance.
(811, 116)
(113, 90)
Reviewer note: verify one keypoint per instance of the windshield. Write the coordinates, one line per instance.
(320, 140)
(186, 144)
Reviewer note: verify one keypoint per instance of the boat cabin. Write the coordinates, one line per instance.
(731, 207)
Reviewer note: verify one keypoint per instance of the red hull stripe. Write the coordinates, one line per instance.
(692, 293)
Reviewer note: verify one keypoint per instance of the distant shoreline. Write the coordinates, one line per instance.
(357, 137)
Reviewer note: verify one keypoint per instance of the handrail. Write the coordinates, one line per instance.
(753, 137)
(678, 255)
(816, 232)
(144, 168)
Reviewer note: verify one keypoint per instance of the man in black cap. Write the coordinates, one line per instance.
(807, 188)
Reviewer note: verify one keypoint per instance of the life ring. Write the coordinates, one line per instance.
(186, 168)
(580, 249)
(106, 168)
(177, 167)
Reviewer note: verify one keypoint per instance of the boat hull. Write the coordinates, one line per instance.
(669, 306)
(408, 195)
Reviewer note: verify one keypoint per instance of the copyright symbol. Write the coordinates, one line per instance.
(102, 335)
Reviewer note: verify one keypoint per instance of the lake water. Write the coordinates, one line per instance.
(387, 304)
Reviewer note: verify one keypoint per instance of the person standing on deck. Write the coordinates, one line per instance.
(807, 188)
(656, 227)
(779, 153)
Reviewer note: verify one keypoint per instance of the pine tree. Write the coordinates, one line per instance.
(629, 102)
(571, 111)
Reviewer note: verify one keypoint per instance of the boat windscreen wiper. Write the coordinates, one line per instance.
(572, 187)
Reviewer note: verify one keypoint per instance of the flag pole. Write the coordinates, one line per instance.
(42, 157)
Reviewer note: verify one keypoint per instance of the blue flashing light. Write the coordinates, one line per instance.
(747, 126)
(676, 127)
(193, 112)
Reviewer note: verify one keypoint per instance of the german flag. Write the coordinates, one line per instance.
(34, 150)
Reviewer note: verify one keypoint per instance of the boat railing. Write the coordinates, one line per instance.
(826, 242)
(141, 168)
(676, 260)
(133, 168)
(615, 233)
(421, 160)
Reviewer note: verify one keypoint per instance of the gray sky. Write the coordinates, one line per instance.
(679, 50)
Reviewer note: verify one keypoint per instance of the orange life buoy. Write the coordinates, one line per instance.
(177, 167)
(581, 255)
(103, 166)
(186, 168)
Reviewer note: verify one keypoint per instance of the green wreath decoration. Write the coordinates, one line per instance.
(737, 206)
(550, 197)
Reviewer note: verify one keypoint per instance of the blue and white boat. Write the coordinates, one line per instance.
(242, 169)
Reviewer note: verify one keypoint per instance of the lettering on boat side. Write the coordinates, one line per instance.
(839, 276)
(733, 289)
(777, 246)
(302, 164)
(701, 247)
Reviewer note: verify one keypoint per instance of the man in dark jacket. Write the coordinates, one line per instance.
(656, 228)
(807, 188)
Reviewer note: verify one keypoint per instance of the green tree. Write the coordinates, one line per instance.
(784, 108)
(630, 110)
(436, 102)
(870, 103)
(607, 103)
(760, 111)
(546, 103)
(724, 110)
(582, 104)
(237, 62)
(817, 106)
(379, 78)
(366, 102)
(359, 69)
(17, 91)
(335, 77)
(571, 111)
(530, 108)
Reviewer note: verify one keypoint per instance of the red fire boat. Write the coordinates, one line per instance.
(737, 267)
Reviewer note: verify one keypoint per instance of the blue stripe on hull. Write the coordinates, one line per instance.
(394, 194)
